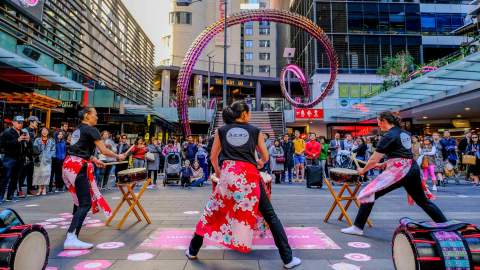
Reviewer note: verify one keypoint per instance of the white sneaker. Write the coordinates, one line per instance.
(294, 263)
(190, 257)
(353, 230)
(434, 188)
(72, 242)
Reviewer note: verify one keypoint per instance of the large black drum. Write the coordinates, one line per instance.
(432, 246)
(22, 246)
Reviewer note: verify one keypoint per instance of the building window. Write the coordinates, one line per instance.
(248, 56)
(264, 31)
(180, 17)
(248, 28)
(264, 69)
(264, 43)
(248, 69)
(264, 56)
(248, 43)
(264, 24)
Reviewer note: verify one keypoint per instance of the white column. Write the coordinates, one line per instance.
(166, 88)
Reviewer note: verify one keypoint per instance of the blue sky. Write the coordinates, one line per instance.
(152, 15)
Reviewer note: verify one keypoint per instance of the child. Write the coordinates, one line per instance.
(198, 177)
(186, 174)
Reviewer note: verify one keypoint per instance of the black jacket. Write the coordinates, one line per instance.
(462, 146)
(12, 147)
(288, 152)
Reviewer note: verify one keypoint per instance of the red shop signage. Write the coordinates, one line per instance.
(309, 113)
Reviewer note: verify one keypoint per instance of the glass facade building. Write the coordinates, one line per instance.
(363, 33)
(95, 43)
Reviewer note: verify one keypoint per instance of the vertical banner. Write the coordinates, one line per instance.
(220, 13)
(31, 8)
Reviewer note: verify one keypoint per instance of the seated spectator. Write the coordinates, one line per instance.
(186, 174)
(198, 175)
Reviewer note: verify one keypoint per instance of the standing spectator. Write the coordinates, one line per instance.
(186, 174)
(474, 149)
(191, 149)
(348, 142)
(138, 152)
(299, 156)
(439, 160)
(202, 157)
(57, 162)
(103, 174)
(323, 155)
(45, 148)
(14, 140)
(198, 176)
(287, 146)
(152, 165)
(277, 160)
(449, 147)
(360, 149)
(416, 145)
(462, 148)
(312, 150)
(122, 148)
(428, 162)
(27, 173)
(268, 144)
(335, 145)
(170, 147)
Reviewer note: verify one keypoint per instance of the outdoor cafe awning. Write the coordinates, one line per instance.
(456, 78)
(34, 100)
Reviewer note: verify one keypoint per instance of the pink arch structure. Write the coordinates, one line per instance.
(278, 16)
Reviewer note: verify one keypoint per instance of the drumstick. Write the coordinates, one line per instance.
(355, 160)
(116, 163)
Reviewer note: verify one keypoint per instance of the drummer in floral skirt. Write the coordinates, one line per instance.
(400, 171)
(239, 204)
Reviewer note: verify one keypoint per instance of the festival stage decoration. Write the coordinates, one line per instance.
(271, 15)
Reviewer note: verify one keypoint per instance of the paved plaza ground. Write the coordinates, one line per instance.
(175, 211)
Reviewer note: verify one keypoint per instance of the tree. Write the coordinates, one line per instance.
(396, 68)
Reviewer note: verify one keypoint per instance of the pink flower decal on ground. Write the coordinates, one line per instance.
(344, 266)
(55, 219)
(51, 268)
(110, 245)
(359, 244)
(93, 265)
(140, 256)
(73, 253)
(50, 226)
(358, 257)
(95, 225)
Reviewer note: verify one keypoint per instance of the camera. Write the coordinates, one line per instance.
(24, 131)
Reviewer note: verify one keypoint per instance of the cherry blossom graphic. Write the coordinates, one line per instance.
(110, 245)
(73, 253)
(344, 266)
(359, 245)
(93, 265)
(140, 256)
(358, 257)
(95, 225)
(55, 219)
(29, 3)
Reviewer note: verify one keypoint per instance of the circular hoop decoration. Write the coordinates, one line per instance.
(271, 15)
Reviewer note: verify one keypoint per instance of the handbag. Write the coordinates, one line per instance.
(280, 159)
(150, 156)
(469, 159)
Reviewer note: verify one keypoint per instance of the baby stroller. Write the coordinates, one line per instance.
(173, 166)
(344, 160)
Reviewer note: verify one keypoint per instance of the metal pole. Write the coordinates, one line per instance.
(288, 78)
(225, 56)
(208, 85)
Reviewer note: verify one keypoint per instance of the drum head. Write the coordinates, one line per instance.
(32, 252)
(403, 255)
(344, 171)
(132, 171)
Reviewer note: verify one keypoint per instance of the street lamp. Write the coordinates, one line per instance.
(209, 71)
(185, 3)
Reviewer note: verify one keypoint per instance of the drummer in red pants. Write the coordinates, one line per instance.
(400, 171)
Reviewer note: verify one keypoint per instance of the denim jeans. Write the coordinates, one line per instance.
(11, 169)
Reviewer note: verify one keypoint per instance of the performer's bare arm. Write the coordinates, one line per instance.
(262, 150)
(216, 148)
(107, 152)
(372, 163)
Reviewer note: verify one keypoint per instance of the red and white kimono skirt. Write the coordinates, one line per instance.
(71, 167)
(231, 216)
